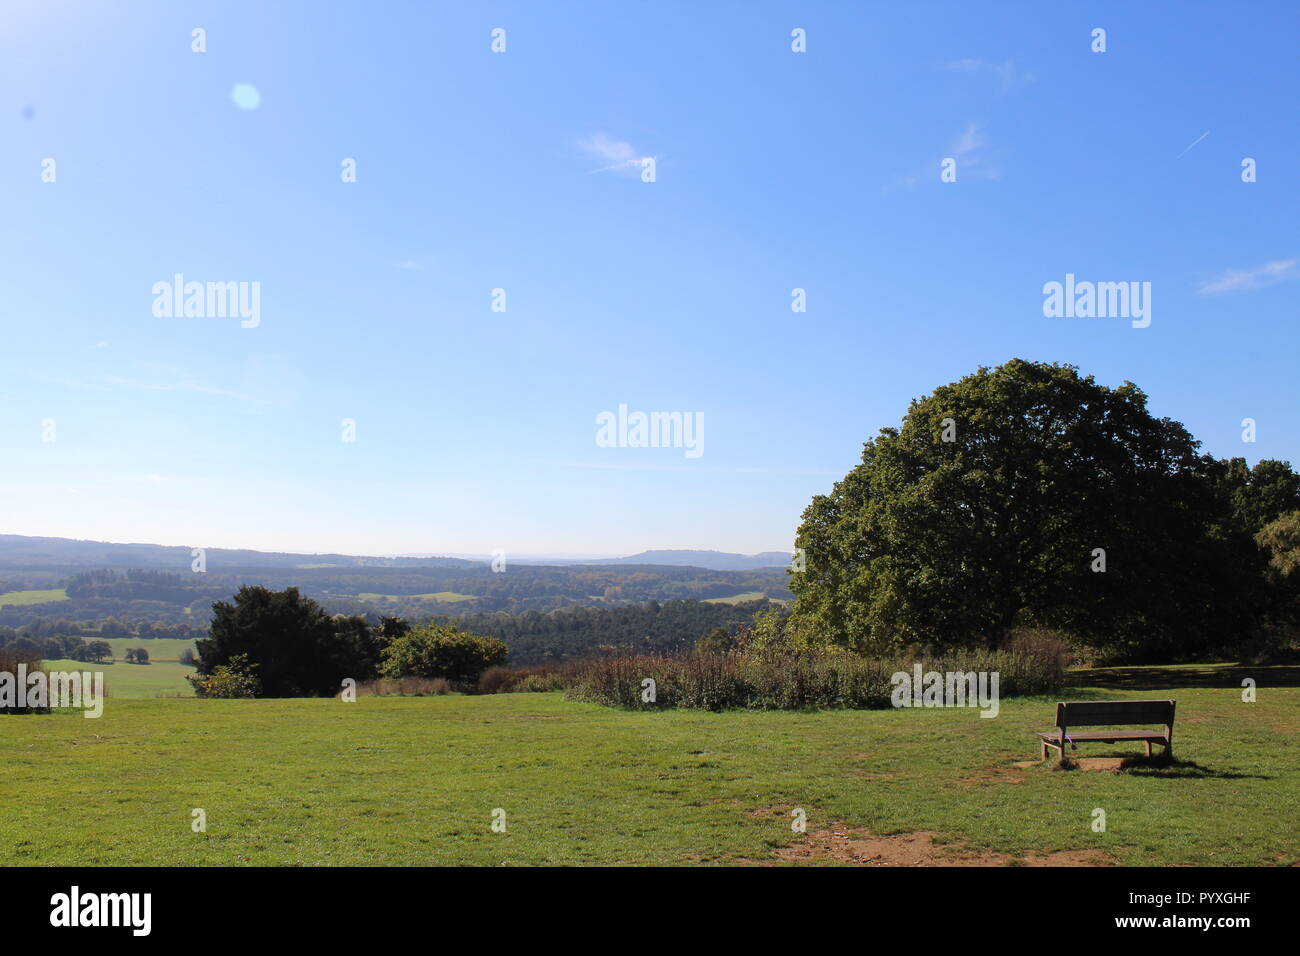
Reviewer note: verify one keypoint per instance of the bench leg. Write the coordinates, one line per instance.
(1042, 750)
(1148, 743)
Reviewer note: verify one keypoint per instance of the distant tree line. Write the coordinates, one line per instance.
(179, 604)
(543, 638)
(55, 648)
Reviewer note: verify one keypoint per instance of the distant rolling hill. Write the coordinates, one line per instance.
(19, 551)
(61, 579)
(711, 560)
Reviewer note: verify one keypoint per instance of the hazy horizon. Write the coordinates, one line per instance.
(518, 557)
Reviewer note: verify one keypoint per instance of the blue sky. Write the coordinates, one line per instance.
(475, 430)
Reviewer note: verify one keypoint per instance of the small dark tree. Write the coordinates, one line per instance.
(357, 647)
(285, 636)
(296, 649)
(99, 651)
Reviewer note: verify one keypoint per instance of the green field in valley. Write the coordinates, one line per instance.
(163, 676)
(415, 781)
(158, 678)
(737, 598)
(442, 597)
(23, 598)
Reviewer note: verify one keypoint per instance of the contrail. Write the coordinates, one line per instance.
(1198, 139)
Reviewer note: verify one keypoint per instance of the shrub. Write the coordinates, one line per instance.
(405, 687)
(542, 681)
(235, 680)
(794, 680)
(10, 658)
(441, 650)
(512, 680)
(497, 680)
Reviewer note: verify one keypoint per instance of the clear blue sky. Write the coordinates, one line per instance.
(775, 170)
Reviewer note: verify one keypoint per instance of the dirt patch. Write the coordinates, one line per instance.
(865, 849)
(1102, 764)
(856, 846)
(1067, 858)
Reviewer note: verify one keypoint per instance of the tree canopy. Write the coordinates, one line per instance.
(296, 648)
(1029, 494)
(442, 650)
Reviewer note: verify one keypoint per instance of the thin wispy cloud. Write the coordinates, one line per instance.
(176, 386)
(972, 159)
(1246, 280)
(968, 148)
(1006, 73)
(615, 154)
(970, 140)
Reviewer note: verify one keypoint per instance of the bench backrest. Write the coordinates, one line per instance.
(1093, 713)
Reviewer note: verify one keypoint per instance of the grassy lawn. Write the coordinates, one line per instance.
(415, 780)
(23, 598)
(158, 678)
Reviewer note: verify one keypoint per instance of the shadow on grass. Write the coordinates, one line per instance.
(1185, 769)
(1172, 678)
(1160, 767)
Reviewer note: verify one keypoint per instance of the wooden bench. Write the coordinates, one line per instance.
(1110, 713)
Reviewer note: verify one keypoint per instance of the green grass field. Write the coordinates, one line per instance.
(737, 598)
(158, 678)
(442, 597)
(23, 598)
(163, 676)
(414, 781)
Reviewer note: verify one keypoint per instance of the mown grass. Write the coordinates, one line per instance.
(442, 597)
(23, 598)
(163, 676)
(414, 781)
(158, 678)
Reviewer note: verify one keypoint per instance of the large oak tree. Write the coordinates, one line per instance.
(998, 502)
